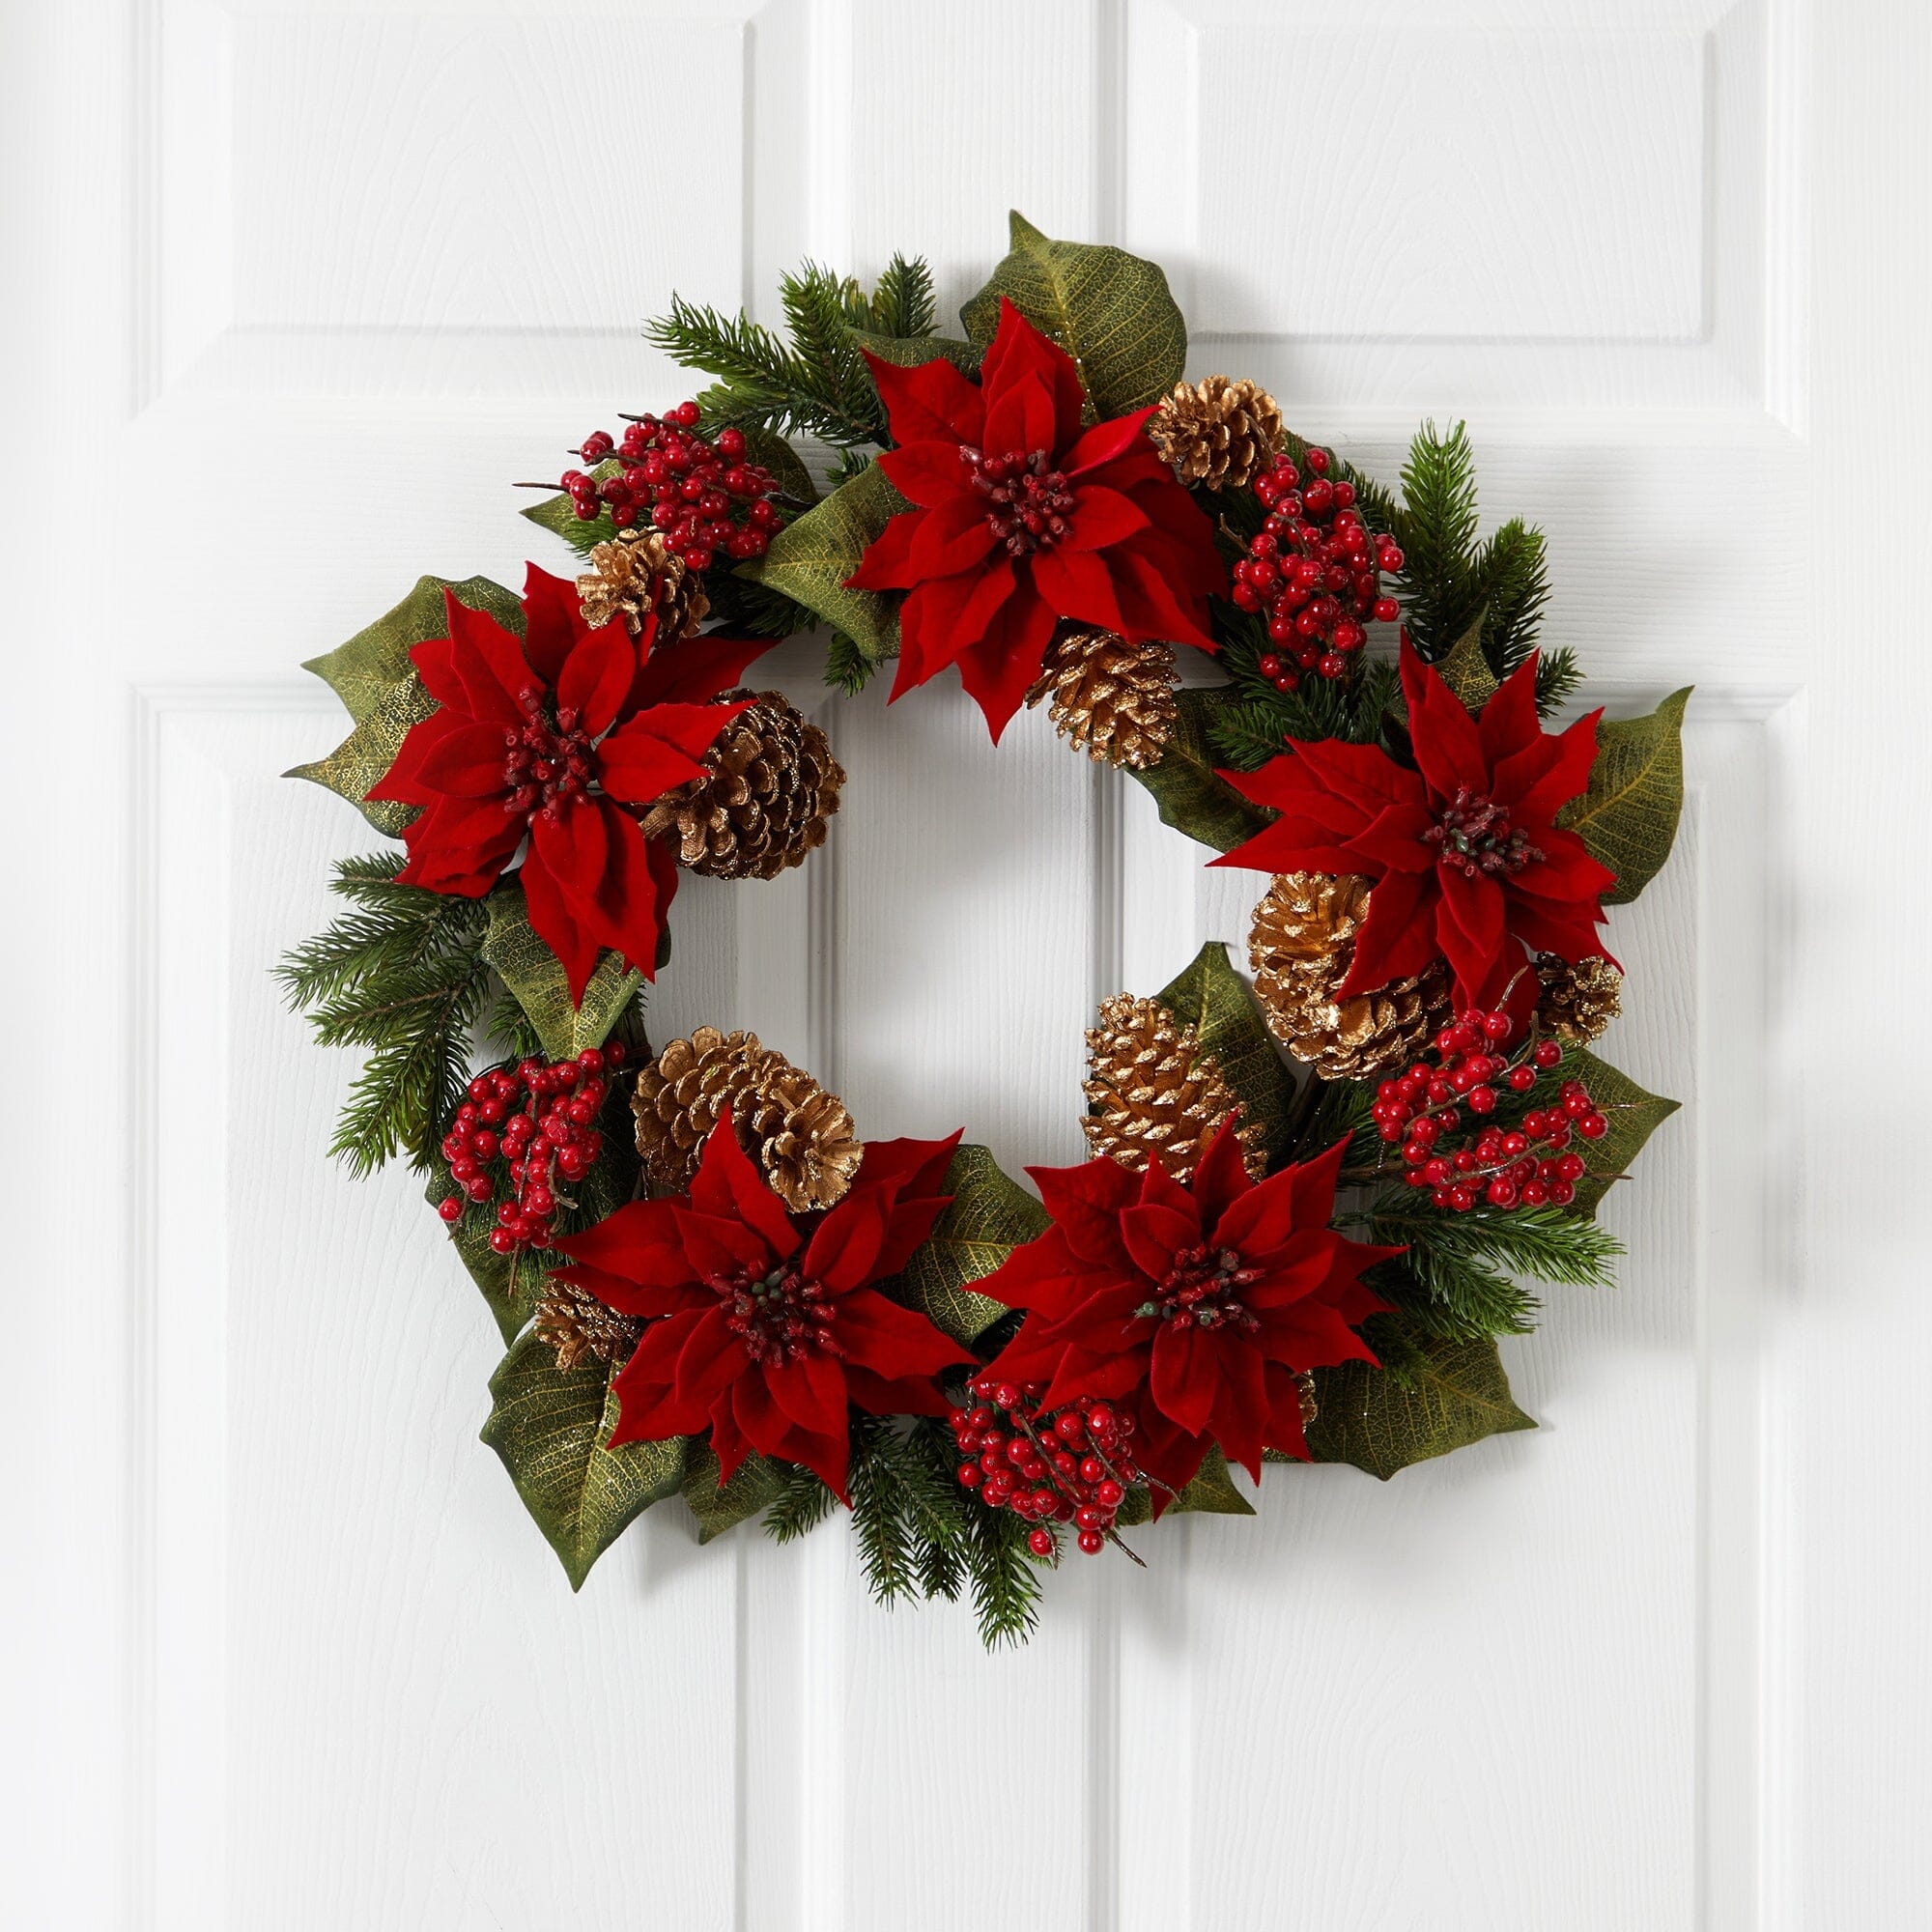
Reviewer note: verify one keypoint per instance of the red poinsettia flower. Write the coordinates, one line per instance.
(550, 736)
(1023, 518)
(763, 1326)
(1468, 861)
(1193, 1307)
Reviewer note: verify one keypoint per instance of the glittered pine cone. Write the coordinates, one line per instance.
(1217, 433)
(1111, 699)
(1301, 945)
(581, 1328)
(638, 571)
(802, 1136)
(770, 784)
(1576, 1002)
(1154, 1093)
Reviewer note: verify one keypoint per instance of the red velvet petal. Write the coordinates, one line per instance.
(720, 1244)
(1000, 668)
(597, 677)
(1508, 721)
(887, 563)
(928, 474)
(1184, 1378)
(467, 763)
(728, 1186)
(942, 619)
(638, 1240)
(1222, 1177)
(660, 747)
(1399, 936)
(555, 920)
(1101, 517)
(1447, 748)
(630, 1297)
(1107, 441)
(1019, 352)
(1153, 1235)
(1020, 414)
(1566, 777)
(811, 1389)
(1394, 842)
(845, 1252)
(710, 1361)
(488, 663)
(692, 670)
(1078, 584)
(892, 1340)
(955, 537)
(929, 402)
(553, 621)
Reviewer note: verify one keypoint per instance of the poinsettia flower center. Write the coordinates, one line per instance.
(1027, 500)
(779, 1315)
(1203, 1290)
(548, 760)
(1474, 836)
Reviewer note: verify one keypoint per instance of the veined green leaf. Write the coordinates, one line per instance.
(812, 557)
(1465, 669)
(553, 1430)
(1452, 1395)
(1634, 1114)
(1191, 794)
(536, 978)
(364, 671)
(1628, 817)
(1212, 1490)
(908, 352)
(991, 1216)
(755, 1485)
(1111, 311)
(1211, 996)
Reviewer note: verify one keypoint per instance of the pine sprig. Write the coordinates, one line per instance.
(1456, 1276)
(816, 383)
(1439, 523)
(802, 1502)
(848, 667)
(1006, 1579)
(404, 977)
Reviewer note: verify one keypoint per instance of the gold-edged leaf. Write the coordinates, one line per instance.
(812, 557)
(1211, 997)
(365, 670)
(753, 1485)
(1465, 670)
(1212, 1490)
(368, 752)
(908, 352)
(1187, 787)
(536, 978)
(1634, 1114)
(1111, 311)
(1628, 816)
(1449, 1395)
(991, 1216)
(553, 1430)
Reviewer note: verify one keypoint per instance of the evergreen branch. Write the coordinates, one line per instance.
(902, 302)
(399, 927)
(879, 1513)
(848, 667)
(802, 1502)
(1511, 585)
(1558, 678)
(1005, 1581)
(1439, 591)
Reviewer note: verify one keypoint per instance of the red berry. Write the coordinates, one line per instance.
(1091, 1542)
(452, 1209)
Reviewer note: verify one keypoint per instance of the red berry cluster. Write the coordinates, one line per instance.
(699, 492)
(521, 1131)
(1314, 570)
(1071, 1465)
(1515, 1167)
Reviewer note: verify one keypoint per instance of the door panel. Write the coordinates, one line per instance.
(310, 284)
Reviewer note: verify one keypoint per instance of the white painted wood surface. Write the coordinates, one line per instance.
(296, 288)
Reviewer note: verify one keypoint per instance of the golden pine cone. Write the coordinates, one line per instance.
(1300, 944)
(638, 571)
(802, 1136)
(770, 784)
(1578, 1001)
(1217, 433)
(1154, 1093)
(572, 1321)
(1111, 699)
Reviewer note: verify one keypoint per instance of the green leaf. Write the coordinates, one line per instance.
(1111, 311)
(1211, 996)
(768, 448)
(362, 757)
(1465, 670)
(1454, 1394)
(754, 1484)
(1212, 1490)
(812, 557)
(908, 352)
(374, 678)
(558, 515)
(1634, 1114)
(1628, 817)
(536, 978)
(1189, 790)
(365, 670)
(991, 1216)
(553, 1430)
(511, 1285)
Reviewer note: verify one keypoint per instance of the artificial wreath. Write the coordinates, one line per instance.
(1312, 1201)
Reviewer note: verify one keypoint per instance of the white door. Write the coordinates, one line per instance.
(296, 288)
